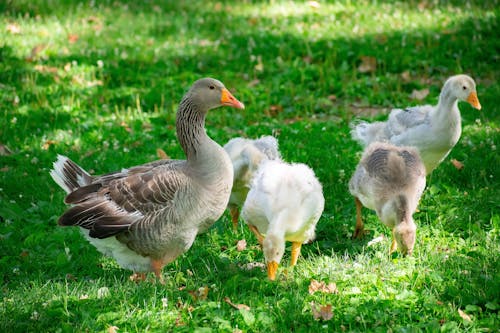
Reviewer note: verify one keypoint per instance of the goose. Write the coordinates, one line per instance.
(390, 180)
(146, 216)
(284, 203)
(246, 155)
(434, 130)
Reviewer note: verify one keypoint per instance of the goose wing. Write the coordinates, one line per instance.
(116, 201)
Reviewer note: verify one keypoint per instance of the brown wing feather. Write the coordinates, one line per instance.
(114, 202)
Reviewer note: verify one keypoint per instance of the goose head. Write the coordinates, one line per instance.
(211, 94)
(404, 234)
(463, 88)
(274, 248)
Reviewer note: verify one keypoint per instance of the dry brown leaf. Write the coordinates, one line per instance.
(35, 51)
(274, 110)
(253, 83)
(323, 312)
(161, 154)
(321, 286)
(406, 76)
(241, 245)
(464, 315)
(200, 294)
(13, 28)
(5, 169)
(368, 64)
(236, 306)
(72, 38)
(457, 164)
(46, 145)
(419, 94)
(4, 150)
(113, 329)
(46, 69)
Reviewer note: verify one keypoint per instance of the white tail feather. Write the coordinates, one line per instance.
(68, 175)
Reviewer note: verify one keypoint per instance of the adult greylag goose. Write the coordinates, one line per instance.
(246, 155)
(148, 215)
(390, 180)
(284, 203)
(434, 130)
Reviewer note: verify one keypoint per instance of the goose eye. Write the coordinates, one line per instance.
(213, 87)
(464, 88)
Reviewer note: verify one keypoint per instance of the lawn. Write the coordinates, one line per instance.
(100, 81)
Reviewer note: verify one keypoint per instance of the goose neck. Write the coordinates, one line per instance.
(190, 126)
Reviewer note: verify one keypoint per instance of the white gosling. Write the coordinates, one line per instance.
(284, 203)
(434, 130)
(246, 155)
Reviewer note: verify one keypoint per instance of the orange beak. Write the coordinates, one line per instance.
(228, 99)
(272, 268)
(473, 100)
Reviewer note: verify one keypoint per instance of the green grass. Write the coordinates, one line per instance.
(108, 100)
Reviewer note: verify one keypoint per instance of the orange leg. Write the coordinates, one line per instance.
(257, 234)
(157, 266)
(360, 228)
(295, 252)
(235, 214)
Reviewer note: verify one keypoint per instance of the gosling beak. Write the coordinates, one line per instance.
(473, 100)
(228, 99)
(272, 268)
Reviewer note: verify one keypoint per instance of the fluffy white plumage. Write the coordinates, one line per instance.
(284, 203)
(434, 130)
(246, 155)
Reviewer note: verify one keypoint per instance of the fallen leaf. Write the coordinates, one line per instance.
(241, 245)
(321, 286)
(323, 312)
(236, 306)
(5, 169)
(4, 150)
(274, 110)
(35, 51)
(368, 64)
(419, 94)
(72, 38)
(13, 28)
(457, 164)
(406, 76)
(113, 329)
(70, 277)
(376, 240)
(161, 154)
(24, 253)
(200, 294)
(253, 83)
(46, 145)
(464, 315)
(46, 69)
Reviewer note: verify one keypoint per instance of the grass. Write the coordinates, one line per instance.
(100, 82)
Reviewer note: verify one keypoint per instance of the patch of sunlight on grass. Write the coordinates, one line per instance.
(354, 20)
